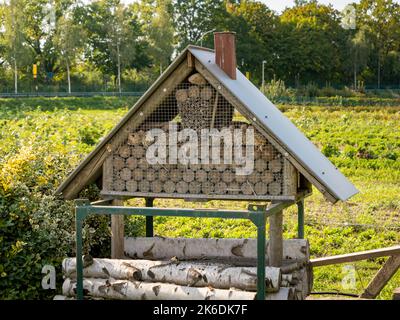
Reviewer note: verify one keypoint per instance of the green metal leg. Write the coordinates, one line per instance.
(149, 219)
(79, 263)
(261, 258)
(300, 219)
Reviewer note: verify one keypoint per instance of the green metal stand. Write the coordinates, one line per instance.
(258, 214)
(149, 219)
(300, 219)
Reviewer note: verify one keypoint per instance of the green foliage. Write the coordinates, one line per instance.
(276, 89)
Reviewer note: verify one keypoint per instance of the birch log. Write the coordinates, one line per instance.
(135, 290)
(214, 249)
(194, 274)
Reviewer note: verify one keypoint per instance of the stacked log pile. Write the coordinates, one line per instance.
(132, 172)
(165, 268)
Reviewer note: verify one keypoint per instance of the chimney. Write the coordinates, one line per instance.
(225, 52)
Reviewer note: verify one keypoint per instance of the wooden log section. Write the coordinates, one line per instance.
(190, 273)
(125, 174)
(228, 176)
(275, 188)
(254, 177)
(197, 79)
(207, 187)
(221, 188)
(119, 185)
(117, 233)
(136, 138)
(138, 174)
(241, 178)
(267, 177)
(143, 164)
(194, 187)
(214, 176)
(131, 163)
(134, 290)
(131, 186)
(233, 250)
(118, 162)
(144, 186)
(124, 151)
(151, 175)
(169, 186)
(201, 176)
(275, 165)
(182, 187)
(260, 165)
(138, 152)
(194, 92)
(396, 294)
(163, 175)
(156, 186)
(206, 93)
(175, 175)
(181, 95)
(275, 248)
(233, 188)
(261, 188)
(247, 188)
(188, 175)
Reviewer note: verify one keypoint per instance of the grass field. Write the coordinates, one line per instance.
(364, 142)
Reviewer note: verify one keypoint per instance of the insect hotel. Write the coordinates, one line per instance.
(202, 131)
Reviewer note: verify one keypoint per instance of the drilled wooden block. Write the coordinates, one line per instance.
(233, 188)
(221, 188)
(132, 163)
(182, 187)
(144, 186)
(201, 176)
(207, 187)
(175, 175)
(163, 175)
(195, 187)
(131, 186)
(188, 175)
(228, 176)
(138, 174)
(151, 175)
(169, 186)
(156, 186)
(118, 162)
(124, 151)
(247, 189)
(274, 188)
(125, 174)
(261, 188)
(119, 185)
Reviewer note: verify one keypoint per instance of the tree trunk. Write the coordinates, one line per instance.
(119, 69)
(135, 290)
(15, 77)
(69, 78)
(194, 274)
(158, 248)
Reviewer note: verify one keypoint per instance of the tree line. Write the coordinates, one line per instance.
(105, 43)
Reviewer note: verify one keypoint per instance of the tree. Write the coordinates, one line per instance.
(69, 40)
(15, 47)
(359, 48)
(156, 19)
(382, 19)
(115, 39)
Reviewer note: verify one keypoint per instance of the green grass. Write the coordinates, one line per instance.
(362, 141)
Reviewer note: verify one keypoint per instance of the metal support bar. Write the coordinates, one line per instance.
(300, 219)
(257, 214)
(149, 219)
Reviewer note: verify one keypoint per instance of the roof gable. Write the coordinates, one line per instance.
(299, 150)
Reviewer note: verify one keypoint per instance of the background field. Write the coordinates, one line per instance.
(42, 140)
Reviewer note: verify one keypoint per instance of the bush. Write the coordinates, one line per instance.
(37, 228)
(276, 89)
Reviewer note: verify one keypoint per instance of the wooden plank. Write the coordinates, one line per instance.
(190, 60)
(108, 173)
(382, 278)
(269, 136)
(117, 233)
(396, 294)
(275, 246)
(356, 256)
(188, 196)
(92, 169)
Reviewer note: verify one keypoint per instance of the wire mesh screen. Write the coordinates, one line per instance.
(195, 145)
